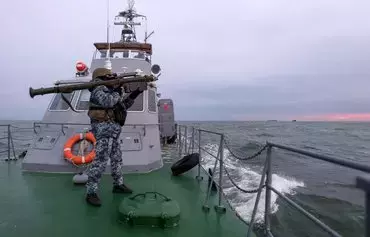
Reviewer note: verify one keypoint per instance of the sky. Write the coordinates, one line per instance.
(220, 60)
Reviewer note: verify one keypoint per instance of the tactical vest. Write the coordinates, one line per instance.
(116, 114)
(98, 113)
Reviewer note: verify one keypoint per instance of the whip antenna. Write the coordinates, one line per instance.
(108, 63)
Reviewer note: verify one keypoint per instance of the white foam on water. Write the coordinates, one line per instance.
(247, 179)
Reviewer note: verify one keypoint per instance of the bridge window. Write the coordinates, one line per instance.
(138, 104)
(83, 100)
(131, 54)
(152, 105)
(58, 104)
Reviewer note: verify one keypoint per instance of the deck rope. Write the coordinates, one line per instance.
(244, 158)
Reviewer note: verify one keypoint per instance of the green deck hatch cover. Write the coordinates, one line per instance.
(149, 209)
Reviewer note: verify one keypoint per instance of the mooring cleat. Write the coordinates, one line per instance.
(93, 199)
(121, 189)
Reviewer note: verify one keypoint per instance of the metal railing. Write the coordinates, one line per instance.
(65, 125)
(190, 143)
(266, 176)
(10, 130)
(10, 149)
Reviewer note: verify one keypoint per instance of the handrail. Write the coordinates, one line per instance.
(53, 123)
(266, 177)
(345, 163)
(63, 125)
(10, 139)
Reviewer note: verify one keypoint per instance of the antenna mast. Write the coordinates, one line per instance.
(108, 63)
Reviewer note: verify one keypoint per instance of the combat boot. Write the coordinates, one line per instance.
(121, 189)
(93, 199)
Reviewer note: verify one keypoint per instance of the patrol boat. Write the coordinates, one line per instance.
(171, 197)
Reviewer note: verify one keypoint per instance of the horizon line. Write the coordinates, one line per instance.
(226, 120)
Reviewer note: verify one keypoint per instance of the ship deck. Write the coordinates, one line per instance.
(39, 204)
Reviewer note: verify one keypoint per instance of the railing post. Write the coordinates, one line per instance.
(8, 142)
(180, 142)
(367, 232)
(192, 139)
(186, 140)
(260, 187)
(268, 191)
(205, 204)
(200, 156)
(11, 140)
(220, 208)
(364, 184)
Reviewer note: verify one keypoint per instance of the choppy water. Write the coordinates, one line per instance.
(326, 190)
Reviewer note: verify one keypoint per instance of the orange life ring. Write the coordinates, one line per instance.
(78, 160)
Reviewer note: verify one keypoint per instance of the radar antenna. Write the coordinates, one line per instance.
(128, 32)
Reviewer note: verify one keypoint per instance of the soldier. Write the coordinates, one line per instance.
(107, 113)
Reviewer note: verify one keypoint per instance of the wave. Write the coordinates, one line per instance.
(342, 185)
(310, 147)
(250, 146)
(344, 217)
(264, 135)
(247, 178)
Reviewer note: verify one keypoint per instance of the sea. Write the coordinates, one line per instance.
(325, 190)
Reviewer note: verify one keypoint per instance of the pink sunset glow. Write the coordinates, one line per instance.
(337, 117)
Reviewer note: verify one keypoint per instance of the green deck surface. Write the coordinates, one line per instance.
(50, 205)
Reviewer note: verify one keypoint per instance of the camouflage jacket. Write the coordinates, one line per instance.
(107, 98)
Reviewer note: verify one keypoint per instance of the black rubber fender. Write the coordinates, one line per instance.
(185, 164)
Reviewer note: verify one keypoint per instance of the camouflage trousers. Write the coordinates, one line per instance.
(107, 146)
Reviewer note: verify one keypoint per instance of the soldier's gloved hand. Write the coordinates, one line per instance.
(135, 93)
(142, 86)
(151, 85)
(118, 90)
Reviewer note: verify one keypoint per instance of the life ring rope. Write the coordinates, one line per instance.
(75, 159)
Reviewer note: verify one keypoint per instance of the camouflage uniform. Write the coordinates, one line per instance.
(106, 133)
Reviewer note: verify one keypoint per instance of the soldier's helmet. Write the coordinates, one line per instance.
(100, 72)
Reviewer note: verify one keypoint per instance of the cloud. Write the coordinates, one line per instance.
(284, 98)
(220, 60)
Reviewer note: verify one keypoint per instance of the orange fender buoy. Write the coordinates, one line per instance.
(78, 160)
